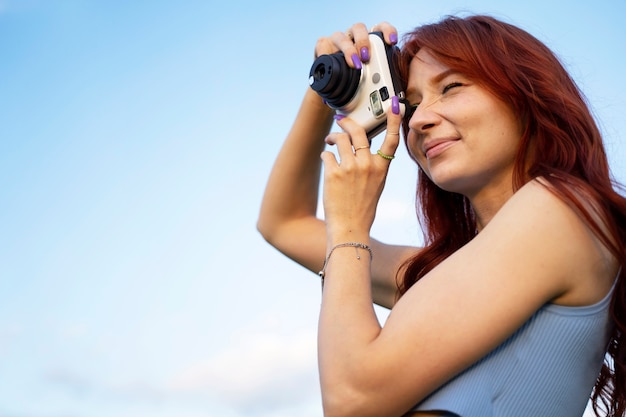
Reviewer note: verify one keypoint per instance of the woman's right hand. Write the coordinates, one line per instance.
(354, 42)
(288, 216)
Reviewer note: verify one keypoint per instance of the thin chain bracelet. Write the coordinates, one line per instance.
(356, 247)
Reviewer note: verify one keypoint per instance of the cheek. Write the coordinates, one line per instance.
(508, 134)
(414, 146)
(419, 158)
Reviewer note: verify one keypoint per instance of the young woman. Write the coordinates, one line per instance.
(518, 292)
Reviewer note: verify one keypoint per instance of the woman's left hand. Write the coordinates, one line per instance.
(354, 182)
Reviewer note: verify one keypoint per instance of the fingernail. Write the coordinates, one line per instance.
(395, 105)
(338, 117)
(393, 38)
(356, 61)
(365, 54)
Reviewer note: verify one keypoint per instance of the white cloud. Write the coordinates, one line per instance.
(9, 332)
(396, 222)
(261, 372)
(394, 211)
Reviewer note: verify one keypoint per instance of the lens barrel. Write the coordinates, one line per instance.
(334, 80)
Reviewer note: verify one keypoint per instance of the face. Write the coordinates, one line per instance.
(463, 137)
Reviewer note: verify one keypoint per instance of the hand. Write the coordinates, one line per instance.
(353, 184)
(354, 43)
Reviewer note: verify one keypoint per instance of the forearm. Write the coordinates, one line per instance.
(292, 189)
(347, 326)
(352, 371)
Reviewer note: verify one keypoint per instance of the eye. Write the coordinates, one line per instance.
(410, 109)
(451, 86)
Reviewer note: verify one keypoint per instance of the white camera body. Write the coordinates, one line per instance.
(363, 95)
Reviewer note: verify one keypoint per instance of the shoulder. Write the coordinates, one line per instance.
(552, 233)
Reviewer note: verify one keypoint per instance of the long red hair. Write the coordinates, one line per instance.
(560, 143)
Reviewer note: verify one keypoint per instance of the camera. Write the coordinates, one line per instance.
(363, 95)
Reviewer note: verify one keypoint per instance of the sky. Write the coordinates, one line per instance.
(135, 142)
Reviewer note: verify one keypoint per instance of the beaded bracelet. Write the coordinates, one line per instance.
(355, 245)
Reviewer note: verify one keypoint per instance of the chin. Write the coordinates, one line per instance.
(452, 184)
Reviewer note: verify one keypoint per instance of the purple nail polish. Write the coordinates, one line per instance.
(395, 105)
(393, 38)
(365, 54)
(338, 116)
(356, 61)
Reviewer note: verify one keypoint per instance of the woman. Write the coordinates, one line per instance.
(519, 291)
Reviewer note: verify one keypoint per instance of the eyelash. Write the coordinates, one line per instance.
(410, 109)
(450, 86)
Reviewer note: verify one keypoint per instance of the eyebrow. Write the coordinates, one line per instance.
(436, 79)
(444, 74)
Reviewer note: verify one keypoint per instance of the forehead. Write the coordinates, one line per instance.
(425, 59)
(424, 69)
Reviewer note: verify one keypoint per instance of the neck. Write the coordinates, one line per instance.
(487, 203)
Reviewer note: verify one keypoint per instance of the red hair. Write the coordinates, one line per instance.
(560, 143)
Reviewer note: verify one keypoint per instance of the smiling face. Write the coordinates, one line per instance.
(463, 137)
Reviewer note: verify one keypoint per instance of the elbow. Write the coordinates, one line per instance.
(343, 410)
(359, 408)
(338, 409)
(344, 403)
(263, 223)
(265, 229)
(360, 398)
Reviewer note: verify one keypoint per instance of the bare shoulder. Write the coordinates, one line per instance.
(554, 234)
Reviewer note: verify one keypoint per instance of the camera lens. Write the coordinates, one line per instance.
(334, 80)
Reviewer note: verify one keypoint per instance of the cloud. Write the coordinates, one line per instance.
(396, 222)
(121, 397)
(75, 384)
(9, 332)
(263, 372)
(394, 211)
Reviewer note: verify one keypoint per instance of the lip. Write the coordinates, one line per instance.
(434, 147)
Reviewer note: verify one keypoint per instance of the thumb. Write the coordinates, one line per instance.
(392, 137)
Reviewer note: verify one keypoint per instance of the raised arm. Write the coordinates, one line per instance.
(287, 218)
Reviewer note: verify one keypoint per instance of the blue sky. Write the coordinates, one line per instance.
(136, 138)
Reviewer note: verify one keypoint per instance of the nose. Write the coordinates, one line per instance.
(424, 118)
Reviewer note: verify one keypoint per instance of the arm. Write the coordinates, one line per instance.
(287, 218)
(535, 250)
(288, 209)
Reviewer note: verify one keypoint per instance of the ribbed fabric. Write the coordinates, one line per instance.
(547, 368)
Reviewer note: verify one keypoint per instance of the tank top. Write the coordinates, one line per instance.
(548, 367)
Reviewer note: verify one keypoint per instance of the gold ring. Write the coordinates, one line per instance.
(350, 35)
(361, 147)
(384, 155)
(395, 134)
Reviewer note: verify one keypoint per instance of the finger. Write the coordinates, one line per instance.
(392, 136)
(329, 159)
(346, 45)
(343, 143)
(390, 33)
(361, 39)
(356, 133)
(325, 46)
